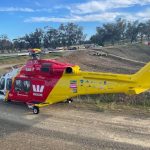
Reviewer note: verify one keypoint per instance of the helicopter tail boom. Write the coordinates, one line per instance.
(117, 83)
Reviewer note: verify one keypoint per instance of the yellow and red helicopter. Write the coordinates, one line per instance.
(41, 82)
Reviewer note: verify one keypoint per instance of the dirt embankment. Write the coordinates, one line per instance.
(87, 61)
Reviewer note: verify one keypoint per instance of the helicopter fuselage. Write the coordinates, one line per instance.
(43, 82)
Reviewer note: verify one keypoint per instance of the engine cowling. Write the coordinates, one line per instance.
(72, 70)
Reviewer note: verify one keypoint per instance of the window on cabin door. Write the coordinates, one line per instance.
(18, 85)
(22, 85)
(26, 86)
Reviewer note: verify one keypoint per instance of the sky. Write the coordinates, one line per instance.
(18, 17)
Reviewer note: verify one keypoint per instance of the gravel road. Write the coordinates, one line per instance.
(64, 127)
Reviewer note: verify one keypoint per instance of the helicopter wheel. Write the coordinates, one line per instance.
(36, 110)
(69, 100)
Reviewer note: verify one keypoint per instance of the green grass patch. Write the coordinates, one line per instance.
(118, 101)
(23, 59)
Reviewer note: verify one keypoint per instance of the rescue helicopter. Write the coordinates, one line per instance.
(41, 82)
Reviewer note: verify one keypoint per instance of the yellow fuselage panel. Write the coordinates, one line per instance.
(89, 83)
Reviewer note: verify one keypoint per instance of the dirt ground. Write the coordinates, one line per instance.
(65, 127)
(100, 64)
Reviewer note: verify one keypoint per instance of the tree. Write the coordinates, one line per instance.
(20, 44)
(62, 35)
(51, 38)
(110, 32)
(120, 29)
(141, 31)
(35, 39)
(132, 31)
(65, 35)
(147, 29)
(100, 37)
(5, 43)
(74, 34)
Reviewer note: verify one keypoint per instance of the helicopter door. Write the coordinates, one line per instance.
(22, 90)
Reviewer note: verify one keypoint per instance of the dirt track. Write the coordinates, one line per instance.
(63, 126)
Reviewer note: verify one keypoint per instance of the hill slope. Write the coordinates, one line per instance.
(87, 61)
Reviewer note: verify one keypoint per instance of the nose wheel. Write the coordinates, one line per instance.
(36, 110)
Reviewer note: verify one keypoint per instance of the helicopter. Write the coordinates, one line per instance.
(41, 82)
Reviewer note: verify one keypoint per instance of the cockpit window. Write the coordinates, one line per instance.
(9, 84)
(26, 86)
(18, 85)
(2, 84)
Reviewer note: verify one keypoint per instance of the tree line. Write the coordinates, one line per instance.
(121, 31)
(64, 35)
(72, 34)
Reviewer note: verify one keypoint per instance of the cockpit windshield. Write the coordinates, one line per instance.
(2, 84)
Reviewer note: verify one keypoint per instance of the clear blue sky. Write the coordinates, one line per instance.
(18, 17)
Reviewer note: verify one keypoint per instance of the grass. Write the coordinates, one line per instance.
(52, 55)
(123, 108)
(23, 59)
(118, 102)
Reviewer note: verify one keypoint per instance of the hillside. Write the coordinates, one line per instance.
(87, 61)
